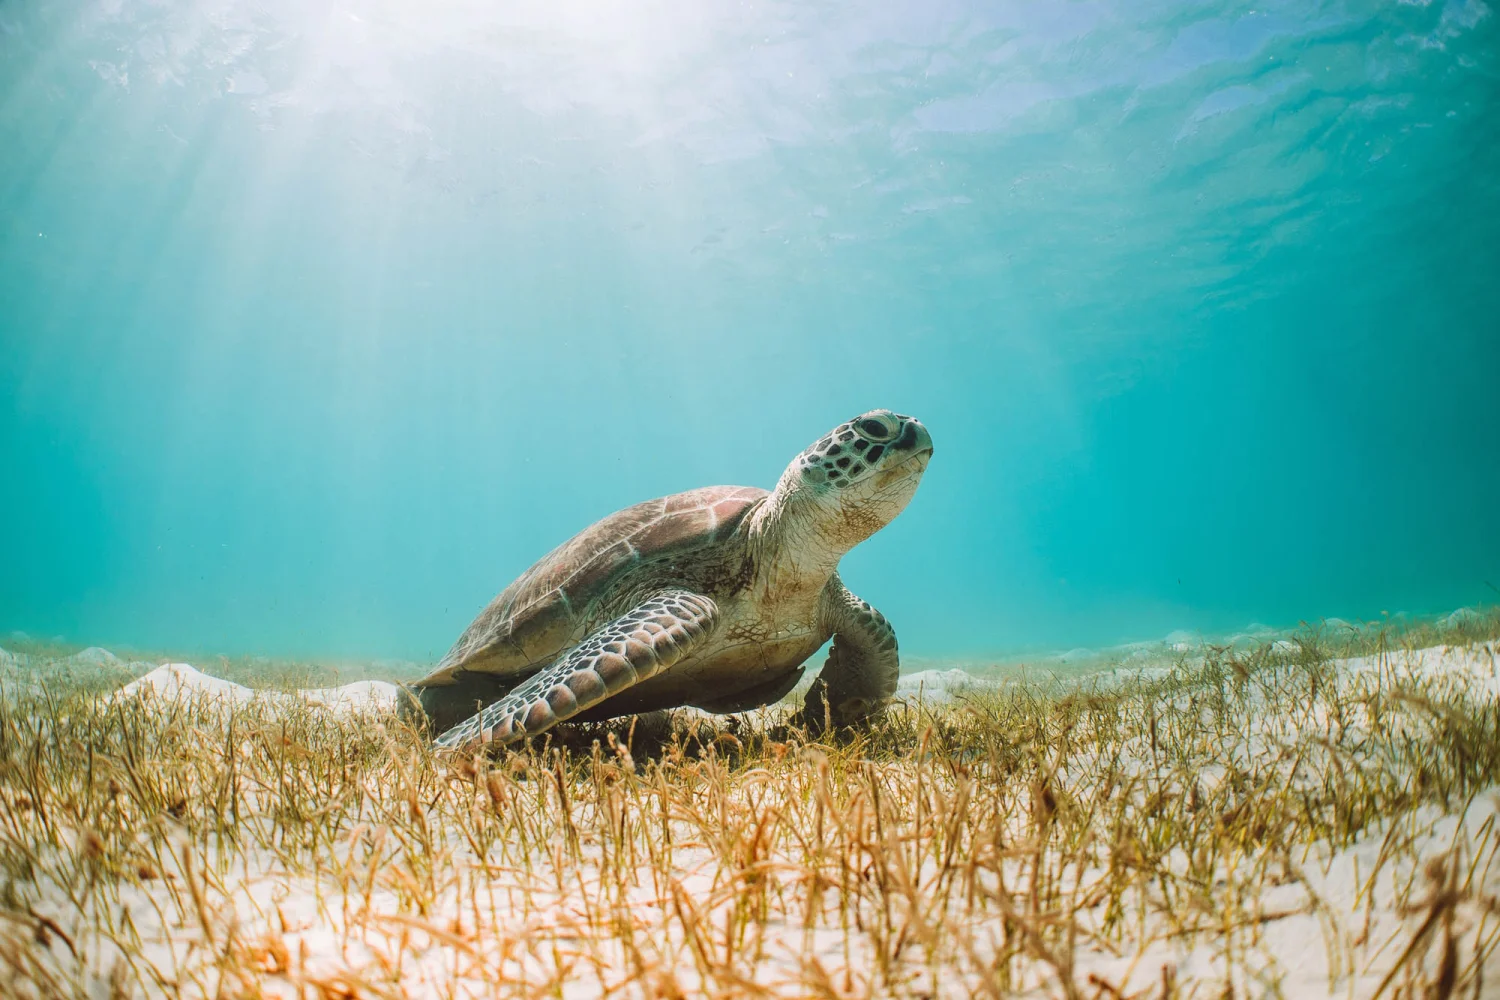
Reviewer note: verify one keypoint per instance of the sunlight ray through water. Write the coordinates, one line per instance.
(321, 322)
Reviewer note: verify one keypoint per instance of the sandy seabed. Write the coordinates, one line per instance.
(1270, 823)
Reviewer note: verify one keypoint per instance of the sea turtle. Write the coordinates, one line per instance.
(712, 598)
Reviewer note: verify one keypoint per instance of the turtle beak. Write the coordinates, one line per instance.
(914, 438)
(918, 443)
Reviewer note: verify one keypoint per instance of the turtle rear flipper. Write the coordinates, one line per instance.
(640, 644)
(435, 708)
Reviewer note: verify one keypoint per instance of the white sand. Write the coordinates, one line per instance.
(1334, 927)
(173, 681)
(939, 686)
(1330, 930)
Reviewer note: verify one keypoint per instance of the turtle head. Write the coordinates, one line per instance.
(855, 479)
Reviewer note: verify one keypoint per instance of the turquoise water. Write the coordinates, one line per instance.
(320, 322)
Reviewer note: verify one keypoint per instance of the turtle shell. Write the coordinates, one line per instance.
(547, 608)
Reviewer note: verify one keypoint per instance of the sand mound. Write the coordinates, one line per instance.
(175, 681)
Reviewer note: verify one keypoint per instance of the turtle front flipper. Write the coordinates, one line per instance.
(859, 676)
(647, 639)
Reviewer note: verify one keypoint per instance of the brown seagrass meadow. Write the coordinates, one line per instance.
(1312, 817)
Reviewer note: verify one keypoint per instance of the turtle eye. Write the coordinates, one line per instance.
(875, 430)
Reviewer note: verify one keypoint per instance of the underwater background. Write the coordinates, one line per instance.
(319, 322)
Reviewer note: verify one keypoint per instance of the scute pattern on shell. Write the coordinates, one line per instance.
(545, 610)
